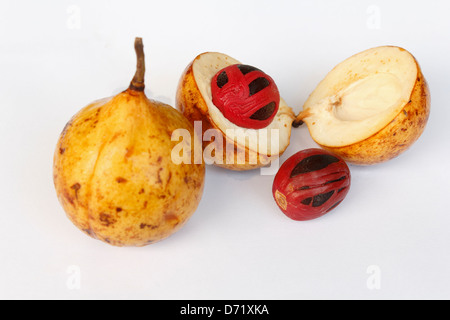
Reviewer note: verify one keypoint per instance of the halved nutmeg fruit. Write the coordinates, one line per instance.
(245, 123)
(371, 107)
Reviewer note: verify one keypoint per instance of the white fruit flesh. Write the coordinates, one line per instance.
(264, 141)
(360, 96)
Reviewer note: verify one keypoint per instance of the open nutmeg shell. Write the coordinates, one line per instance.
(371, 107)
(231, 146)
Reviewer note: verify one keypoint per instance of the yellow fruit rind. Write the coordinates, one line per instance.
(116, 181)
(397, 136)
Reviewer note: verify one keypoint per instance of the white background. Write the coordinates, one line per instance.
(58, 56)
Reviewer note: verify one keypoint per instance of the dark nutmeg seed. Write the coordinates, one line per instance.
(222, 79)
(258, 85)
(247, 69)
(320, 199)
(313, 163)
(265, 112)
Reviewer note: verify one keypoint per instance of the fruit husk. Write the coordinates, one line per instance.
(396, 137)
(191, 103)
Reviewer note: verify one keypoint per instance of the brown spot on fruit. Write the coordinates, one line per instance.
(171, 218)
(68, 197)
(89, 232)
(150, 226)
(62, 150)
(142, 191)
(75, 188)
(107, 219)
(159, 181)
(169, 133)
(114, 137)
(129, 152)
(121, 180)
(118, 209)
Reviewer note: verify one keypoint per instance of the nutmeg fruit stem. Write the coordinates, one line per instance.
(299, 119)
(138, 83)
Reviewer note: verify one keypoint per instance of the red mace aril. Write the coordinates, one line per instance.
(311, 183)
(246, 96)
